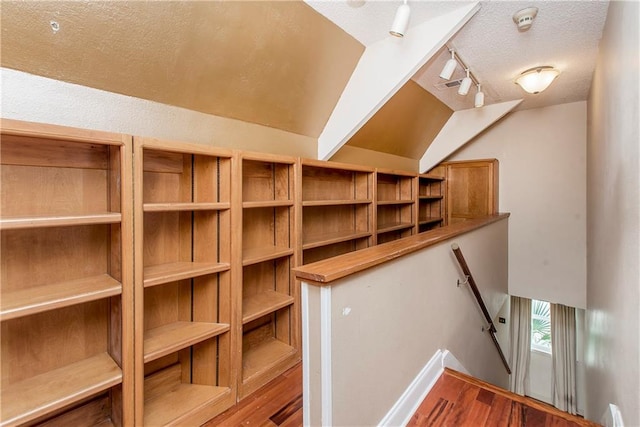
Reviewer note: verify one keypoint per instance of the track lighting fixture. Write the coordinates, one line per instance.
(401, 21)
(465, 85)
(479, 100)
(449, 67)
(535, 80)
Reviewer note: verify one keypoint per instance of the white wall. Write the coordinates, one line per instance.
(542, 155)
(385, 324)
(612, 353)
(39, 99)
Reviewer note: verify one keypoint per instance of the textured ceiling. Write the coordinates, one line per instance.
(565, 34)
(278, 64)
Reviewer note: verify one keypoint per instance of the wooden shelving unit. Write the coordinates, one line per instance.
(431, 202)
(66, 290)
(336, 209)
(182, 194)
(269, 313)
(395, 205)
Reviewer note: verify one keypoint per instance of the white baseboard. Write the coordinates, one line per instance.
(404, 408)
(612, 417)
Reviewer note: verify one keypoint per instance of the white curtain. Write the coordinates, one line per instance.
(520, 343)
(563, 339)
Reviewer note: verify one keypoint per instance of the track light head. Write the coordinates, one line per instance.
(401, 21)
(465, 85)
(479, 100)
(449, 67)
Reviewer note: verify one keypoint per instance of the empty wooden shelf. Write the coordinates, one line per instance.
(270, 301)
(395, 205)
(183, 282)
(431, 204)
(67, 267)
(336, 209)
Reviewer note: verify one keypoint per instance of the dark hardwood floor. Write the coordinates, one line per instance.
(278, 403)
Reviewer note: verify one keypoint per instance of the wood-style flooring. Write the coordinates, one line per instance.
(278, 403)
(456, 400)
(459, 400)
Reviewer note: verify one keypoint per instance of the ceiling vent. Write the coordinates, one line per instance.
(448, 85)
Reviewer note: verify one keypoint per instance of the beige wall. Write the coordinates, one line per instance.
(39, 99)
(387, 322)
(542, 155)
(612, 352)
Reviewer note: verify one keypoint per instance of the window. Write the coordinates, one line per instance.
(540, 326)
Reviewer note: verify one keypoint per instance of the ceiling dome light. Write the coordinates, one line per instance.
(401, 21)
(449, 67)
(537, 79)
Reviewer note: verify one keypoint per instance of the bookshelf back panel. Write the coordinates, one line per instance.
(167, 304)
(265, 227)
(262, 181)
(167, 237)
(317, 254)
(328, 184)
(34, 257)
(45, 341)
(267, 276)
(323, 220)
(52, 191)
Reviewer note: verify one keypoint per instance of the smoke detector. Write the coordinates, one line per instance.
(524, 18)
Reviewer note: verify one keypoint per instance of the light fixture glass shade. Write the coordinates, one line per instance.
(465, 85)
(535, 80)
(479, 100)
(401, 21)
(448, 69)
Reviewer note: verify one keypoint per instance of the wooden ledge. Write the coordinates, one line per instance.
(325, 272)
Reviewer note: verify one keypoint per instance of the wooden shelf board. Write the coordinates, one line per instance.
(265, 253)
(41, 221)
(263, 356)
(176, 207)
(170, 338)
(180, 403)
(429, 220)
(262, 304)
(165, 273)
(45, 393)
(37, 299)
(267, 204)
(394, 202)
(385, 228)
(430, 197)
(336, 202)
(331, 238)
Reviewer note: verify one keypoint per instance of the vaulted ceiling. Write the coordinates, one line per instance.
(285, 64)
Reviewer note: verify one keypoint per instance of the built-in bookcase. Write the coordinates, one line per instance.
(337, 209)
(182, 196)
(431, 202)
(269, 314)
(396, 205)
(66, 290)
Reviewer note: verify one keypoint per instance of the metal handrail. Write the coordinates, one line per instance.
(474, 288)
